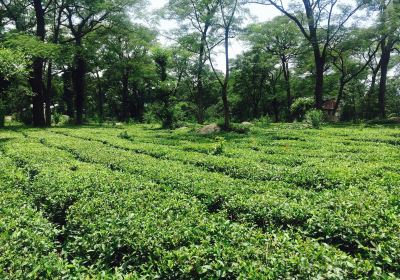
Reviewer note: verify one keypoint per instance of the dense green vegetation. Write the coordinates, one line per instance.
(187, 139)
(184, 61)
(135, 201)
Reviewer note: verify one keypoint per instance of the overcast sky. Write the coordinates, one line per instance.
(258, 13)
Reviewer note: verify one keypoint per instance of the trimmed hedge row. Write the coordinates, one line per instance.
(156, 233)
(265, 205)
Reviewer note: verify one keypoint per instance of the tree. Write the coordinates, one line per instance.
(389, 28)
(197, 17)
(83, 18)
(280, 38)
(321, 26)
(13, 70)
(347, 57)
(229, 20)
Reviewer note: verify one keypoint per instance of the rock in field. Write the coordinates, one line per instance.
(209, 129)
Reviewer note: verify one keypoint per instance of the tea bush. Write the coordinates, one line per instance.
(282, 202)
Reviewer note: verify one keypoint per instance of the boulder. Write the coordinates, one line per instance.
(209, 129)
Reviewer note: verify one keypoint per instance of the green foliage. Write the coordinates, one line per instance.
(89, 203)
(13, 64)
(125, 135)
(314, 118)
(56, 118)
(31, 46)
(264, 122)
(301, 106)
(219, 147)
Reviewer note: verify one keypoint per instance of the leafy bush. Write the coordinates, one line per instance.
(323, 203)
(240, 128)
(314, 118)
(264, 121)
(300, 107)
(219, 147)
(125, 135)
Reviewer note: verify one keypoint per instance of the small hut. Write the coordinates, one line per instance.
(329, 109)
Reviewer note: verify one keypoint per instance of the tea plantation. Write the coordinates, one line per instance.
(138, 202)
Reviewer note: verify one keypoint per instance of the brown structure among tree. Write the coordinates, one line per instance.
(331, 110)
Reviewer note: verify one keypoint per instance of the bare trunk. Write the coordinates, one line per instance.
(68, 94)
(125, 95)
(48, 96)
(200, 87)
(100, 96)
(319, 82)
(79, 83)
(286, 75)
(36, 80)
(340, 95)
(226, 81)
(382, 83)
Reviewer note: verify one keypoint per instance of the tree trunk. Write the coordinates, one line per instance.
(68, 93)
(79, 83)
(340, 95)
(36, 80)
(369, 114)
(48, 94)
(276, 109)
(382, 83)
(125, 95)
(286, 75)
(100, 96)
(319, 82)
(200, 88)
(225, 84)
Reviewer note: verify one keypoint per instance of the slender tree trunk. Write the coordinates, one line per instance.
(276, 109)
(340, 94)
(382, 83)
(319, 82)
(369, 114)
(226, 81)
(79, 82)
(48, 95)
(286, 75)
(36, 80)
(125, 95)
(100, 96)
(68, 93)
(200, 87)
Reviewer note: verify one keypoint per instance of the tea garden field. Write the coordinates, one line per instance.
(136, 202)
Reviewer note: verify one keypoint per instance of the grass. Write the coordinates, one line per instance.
(132, 202)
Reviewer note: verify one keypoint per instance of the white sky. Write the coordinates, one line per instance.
(258, 13)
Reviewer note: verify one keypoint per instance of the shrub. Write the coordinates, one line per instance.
(56, 118)
(219, 148)
(125, 135)
(264, 121)
(240, 128)
(300, 107)
(314, 118)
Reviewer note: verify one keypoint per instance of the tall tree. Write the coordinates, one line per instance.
(228, 23)
(36, 79)
(389, 28)
(321, 23)
(83, 18)
(281, 38)
(198, 17)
